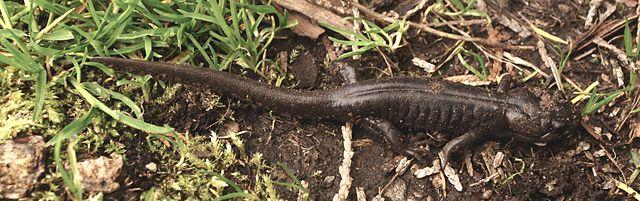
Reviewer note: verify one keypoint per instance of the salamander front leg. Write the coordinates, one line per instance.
(391, 134)
(456, 144)
(376, 125)
(505, 83)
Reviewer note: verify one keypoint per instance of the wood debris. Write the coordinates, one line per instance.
(315, 14)
(345, 167)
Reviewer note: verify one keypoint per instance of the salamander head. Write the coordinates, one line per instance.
(538, 115)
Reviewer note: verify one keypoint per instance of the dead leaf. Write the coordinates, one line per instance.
(453, 178)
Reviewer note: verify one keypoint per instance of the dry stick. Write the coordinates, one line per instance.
(638, 24)
(345, 182)
(458, 22)
(636, 100)
(615, 163)
(356, 29)
(436, 32)
(542, 50)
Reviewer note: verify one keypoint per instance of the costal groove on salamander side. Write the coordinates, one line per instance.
(410, 103)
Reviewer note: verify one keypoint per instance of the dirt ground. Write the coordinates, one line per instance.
(576, 167)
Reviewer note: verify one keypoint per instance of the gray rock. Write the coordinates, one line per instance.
(100, 174)
(20, 166)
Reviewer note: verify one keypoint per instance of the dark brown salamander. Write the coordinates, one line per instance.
(410, 103)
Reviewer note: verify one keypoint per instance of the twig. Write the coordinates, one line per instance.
(621, 55)
(590, 130)
(345, 182)
(636, 100)
(638, 24)
(356, 29)
(542, 50)
(628, 189)
(390, 66)
(615, 163)
(436, 32)
(458, 22)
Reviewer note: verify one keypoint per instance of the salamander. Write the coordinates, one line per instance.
(472, 114)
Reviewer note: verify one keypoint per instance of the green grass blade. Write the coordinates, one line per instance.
(148, 48)
(74, 127)
(23, 61)
(57, 9)
(58, 35)
(201, 50)
(68, 179)
(594, 103)
(237, 195)
(200, 16)
(141, 125)
(628, 42)
(41, 89)
(53, 24)
(93, 101)
(94, 87)
(458, 4)
(6, 22)
(6, 33)
(101, 67)
(481, 75)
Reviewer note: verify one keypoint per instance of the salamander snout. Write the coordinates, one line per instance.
(541, 116)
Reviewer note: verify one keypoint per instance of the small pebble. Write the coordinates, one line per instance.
(487, 194)
(328, 181)
(151, 167)
(99, 175)
(397, 190)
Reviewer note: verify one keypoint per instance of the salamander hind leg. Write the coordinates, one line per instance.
(393, 136)
(459, 143)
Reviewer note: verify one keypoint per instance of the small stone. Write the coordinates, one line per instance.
(397, 190)
(564, 8)
(583, 146)
(20, 166)
(328, 181)
(550, 186)
(151, 167)
(99, 175)
(487, 194)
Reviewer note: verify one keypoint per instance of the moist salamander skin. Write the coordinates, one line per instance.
(410, 103)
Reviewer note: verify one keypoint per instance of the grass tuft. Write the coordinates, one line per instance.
(373, 37)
